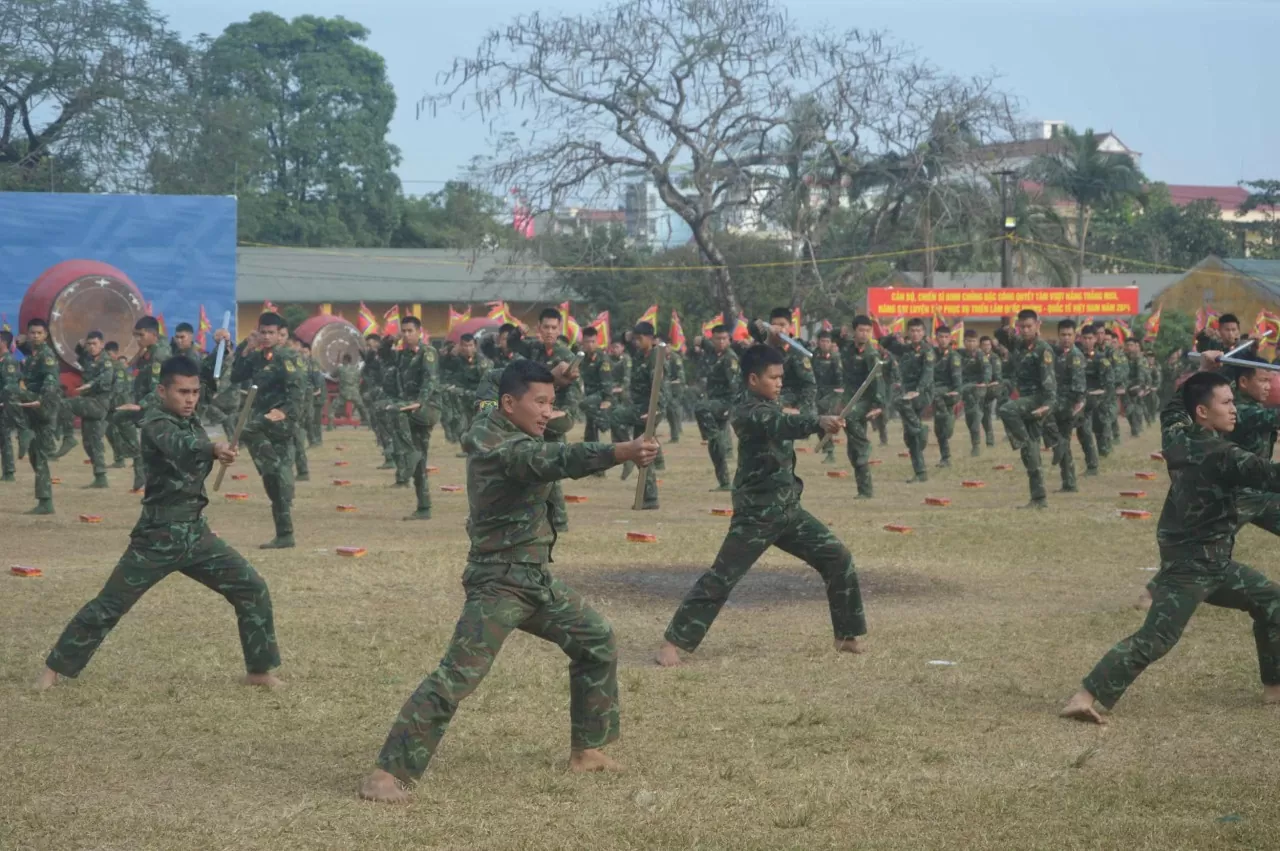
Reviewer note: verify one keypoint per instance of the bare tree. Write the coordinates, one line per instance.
(694, 95)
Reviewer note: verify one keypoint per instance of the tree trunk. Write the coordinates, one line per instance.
(1080, 225)
(726, 294)
(926, 231)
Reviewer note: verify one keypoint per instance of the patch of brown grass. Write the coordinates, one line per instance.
(767, 740)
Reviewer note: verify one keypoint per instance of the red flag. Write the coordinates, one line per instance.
(204, 328)
(391, 320)
(677, 333)
(163, 332)
(957, 331)
(898, 326)
(826, 325)
(1122, 329)
(740, 328)
(650, 316)
(1206, 319)
(601, 324)
(269, 306)
(718, 319)
(795, 322)
(568, 325)
(455, 317)
(366, 322)
(877, 330)
(1151, 329)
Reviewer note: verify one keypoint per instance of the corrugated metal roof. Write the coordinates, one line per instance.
(391, 275)
(1265, 272)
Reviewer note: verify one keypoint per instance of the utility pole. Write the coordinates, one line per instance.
(1009, 224)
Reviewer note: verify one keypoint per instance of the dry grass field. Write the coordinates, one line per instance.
(768, 739)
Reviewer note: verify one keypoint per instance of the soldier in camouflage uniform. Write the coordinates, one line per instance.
(799, 387)
(673, 379)
(622, 393)
(828, 378)
(469, 369)
(265, 359)
(1134, 382)
(348, 393)
(723, 383)
(371, 378)
(510, 471)
(1100, 375)
(767, 513)
(1031, 366)
(1196, 535)
(948, 382)
(997, 390)
(1069, 376)
(413, 406)
(123, 395)
(551, 352)
(891, 390)
(1155, 378)
(40, 398)
(1098, 387)
(301, 424)
(859, 356)
(93, 401)
(451, 398)
(152, 352)
(633, 414)
(975, 376)
(172, 536)
(12, 417)
(916, 360)
(1118, 370)
(319, 390)
(597, 389)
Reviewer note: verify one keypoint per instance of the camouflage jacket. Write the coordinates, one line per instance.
(997, 367)
(40, 377)
(123, 390)
(146, 372)
(948, 371)
(975, 368)
(1206, 472)
(828, 373)
(622, 374)
(281, 378)
(99, 376)
(1069, 376)
(915, 363)
(724, 376)
(1032, 370)
(1256, 426)
(415, 373)
(179, 456)
(642, 380)
(466, 374)
(597, 376)
(510, 476)
(10, 377)
(349, 379)
(1133, 371)
(570, 396)
(766, 479)
(317, 379)
(192, 354)
(371, 375)
(799, 387)
(857, 365)
(1097, 372)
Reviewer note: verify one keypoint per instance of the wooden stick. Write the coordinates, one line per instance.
(651, 422)
(235, 438)
(857, 396)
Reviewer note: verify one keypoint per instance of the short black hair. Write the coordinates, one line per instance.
(985, 339)
(184, 326)
(970, 334)
(368, 337)
(37, 322)
(1243, 371)
(720, 329)
(519, 374)
(1199, 388)
(179, 365)
(917, 322)
(1028, 313)
(6, 337)
(411, 320)
(112, 346)
(1066, 325)
(643, 329)
(505, 328)
(1090, 328)
(758, 358)
(1111, 332)
(589, 332)
(1227, 317)
(549, 313)
(271, 319)
(94, 335)
(942, 329)
(860, 320)
(467, 338)
(780, 313)
(824, 334)
(147, 323)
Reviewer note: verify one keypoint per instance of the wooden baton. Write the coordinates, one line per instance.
(235, 438)
(857, 396)
(651, 422)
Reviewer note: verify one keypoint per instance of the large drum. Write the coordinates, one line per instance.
(331, 337)
(79, 296)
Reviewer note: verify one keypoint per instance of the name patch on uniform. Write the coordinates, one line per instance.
(1048, 356)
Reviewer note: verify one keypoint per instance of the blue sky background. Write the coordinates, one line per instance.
(1181, 82)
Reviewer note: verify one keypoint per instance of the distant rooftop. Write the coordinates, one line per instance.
(1228, 198)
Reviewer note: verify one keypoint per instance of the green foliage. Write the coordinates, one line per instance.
(1177, 332)
(458, 216)
(1263, 195)
(1159, 233)
(294, 314)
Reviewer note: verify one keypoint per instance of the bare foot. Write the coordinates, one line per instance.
(1144, 601)
(382, 787)
(1080, 708)
(47, 680)
(591, 759)
(849, 645)
(1271, 694)
(264, 680)
(668, 656)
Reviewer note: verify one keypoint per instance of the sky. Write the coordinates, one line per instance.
(1180, 82)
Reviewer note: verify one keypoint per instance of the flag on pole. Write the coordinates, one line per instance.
(827, 326)
(499, 312)
(741, 331)
(650, 316)
(1206, 319)
(204, 327)
(366, 322)
(677, 333)
(391, 321)
(1122, 329)
(149, 311)
(878, 331)
(269, 306)
(795, 322)
(163, 332)
(957, 331)
(898, 326)
(4, 323)
(939, 321)
(601, 324)
(568, 325)
(1151, 329)
(1266, 321)
(718, 319)
(455, 317)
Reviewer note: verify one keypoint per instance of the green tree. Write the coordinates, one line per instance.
(1158, 233)
(1091, 178)
(1264, 195)
(458, 216)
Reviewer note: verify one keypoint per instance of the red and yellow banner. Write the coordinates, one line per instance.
(996, 302)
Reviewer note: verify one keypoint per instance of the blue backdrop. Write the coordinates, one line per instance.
(180, 250)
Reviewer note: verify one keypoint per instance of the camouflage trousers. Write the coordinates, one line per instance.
(315, 425)
(858, 445)
(914, 433)
(126, 423)
(712, 417)
(502, 598)
(1133, 412)
(996, 396)
(338, 407)
(93, 428)
(1182, 584)
(157, 548)
(1023, 429)
(44, 446)
(1102, 425)
(411, 437)
(975, 408)
(271, 446)
(792, 530)
(1059, 425)
(300, 459)
(829, 404)
(944, 422)
(10, 426)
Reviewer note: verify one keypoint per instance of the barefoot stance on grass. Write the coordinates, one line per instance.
(1080, 708)
(263, 680)
(591, 759)
(382, 787)
(668, 656)
(849, 645)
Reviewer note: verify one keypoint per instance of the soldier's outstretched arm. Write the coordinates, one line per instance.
(535, 461)
(773, 423)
